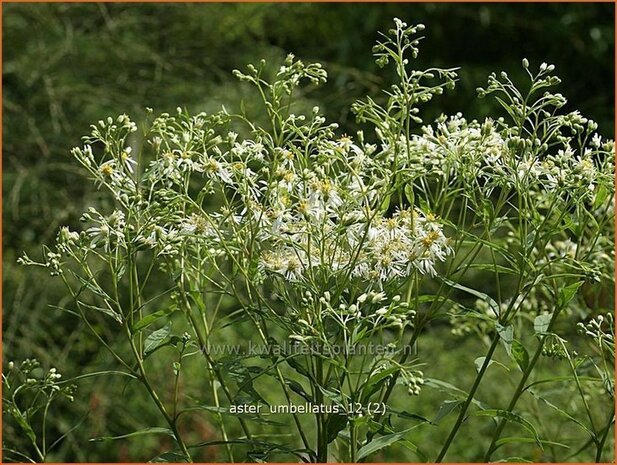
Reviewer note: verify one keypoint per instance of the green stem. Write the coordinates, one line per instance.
(473, 253)
(215, 396)
(600, 445)
(403, 359)
(520, 388)
(465, 406)
(517, 394)
(144, 379)
(322, 438)
(282, 382)
(353, 442)
(33, 441)
(203, 348)
(44, 442)
(220, 418)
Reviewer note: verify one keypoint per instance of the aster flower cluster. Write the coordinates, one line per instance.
(602, 330)
(490, 157)
(305, 213)
(30, 395)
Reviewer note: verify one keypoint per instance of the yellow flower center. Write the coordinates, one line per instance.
(430, 239)
(107, 170)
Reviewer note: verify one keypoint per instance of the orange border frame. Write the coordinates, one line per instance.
(614, 2)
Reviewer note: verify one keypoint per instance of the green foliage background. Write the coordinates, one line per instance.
(68, 65)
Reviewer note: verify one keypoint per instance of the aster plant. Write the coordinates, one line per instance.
(331, 243)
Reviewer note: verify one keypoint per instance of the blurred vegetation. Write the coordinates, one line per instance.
(66, 66)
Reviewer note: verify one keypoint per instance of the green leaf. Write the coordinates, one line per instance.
(373, 384)
(335, 395)
(267, 447)
(480, 295)
(601, 195)
(383, 441)
(480, 361)
(25, 426)
(490, 267)
(503, 441)
(298, 389)
(298, 367)
(514, 418)
(149, 319)
(104, 373)
(541, 323)
(488, 210)
(141, 432)
(520, 355)
(233, 318)
(566, 294)
(334, 425)
(92, 287)
(409, 415)
(106, 310)
(506, 334)
(157, 339)
(563, 413)
(444, 387)
(243, 377)
(556, 379)
(226, 411)
(385, 204)
(505, 253)
(455, 391)
(409, 195)
(445, 409)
